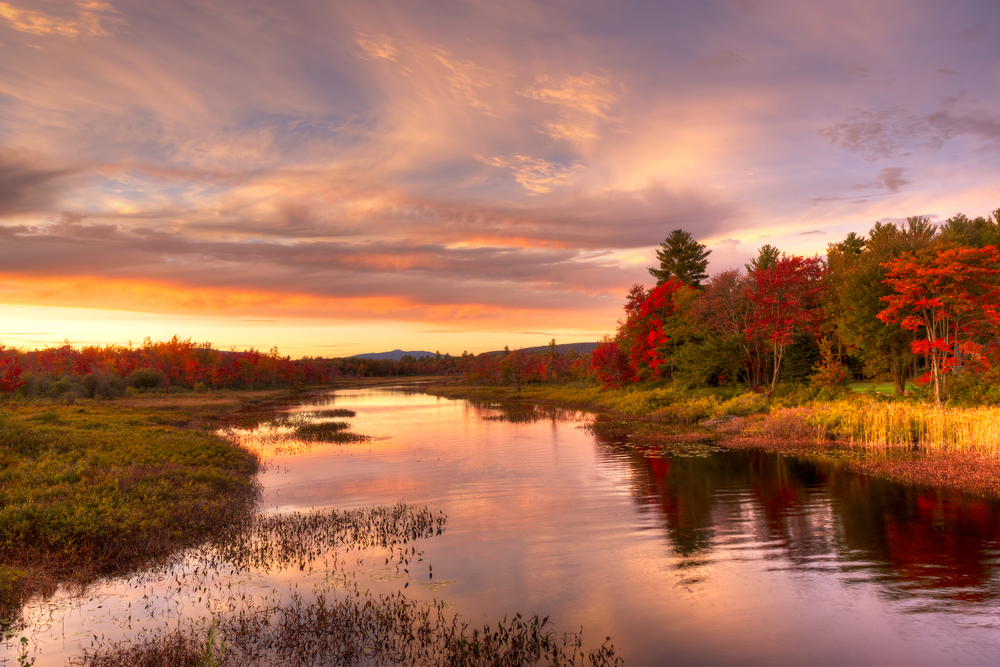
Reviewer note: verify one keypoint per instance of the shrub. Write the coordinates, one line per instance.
(146, 379)
(97, 385)
(743, 405)
(61, 386)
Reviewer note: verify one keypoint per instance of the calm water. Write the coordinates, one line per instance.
(732, 558)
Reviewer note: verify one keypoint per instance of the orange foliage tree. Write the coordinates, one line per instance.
(953, 295)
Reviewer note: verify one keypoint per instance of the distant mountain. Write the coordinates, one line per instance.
(395, 355)
(561, 348)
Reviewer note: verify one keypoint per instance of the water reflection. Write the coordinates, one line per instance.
(936, 549)
(683, 555)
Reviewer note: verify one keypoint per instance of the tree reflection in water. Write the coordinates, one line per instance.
(935, 549)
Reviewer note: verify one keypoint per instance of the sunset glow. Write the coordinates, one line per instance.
(338, 178)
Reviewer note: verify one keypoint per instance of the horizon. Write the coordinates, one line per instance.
(465, 176)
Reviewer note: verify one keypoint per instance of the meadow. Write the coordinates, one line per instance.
(90, 489)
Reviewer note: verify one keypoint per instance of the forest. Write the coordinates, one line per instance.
(915, 304)
(908, 303)
(110, 371)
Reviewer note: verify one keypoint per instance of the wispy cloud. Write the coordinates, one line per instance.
(415, 161)
(89, 20)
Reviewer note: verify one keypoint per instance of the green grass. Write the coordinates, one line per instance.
(656, 402)
(881, 388)
(92, 490)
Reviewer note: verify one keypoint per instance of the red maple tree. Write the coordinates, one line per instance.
(786, 299)
(954, 296)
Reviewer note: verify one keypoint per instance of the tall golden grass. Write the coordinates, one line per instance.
(875, 424)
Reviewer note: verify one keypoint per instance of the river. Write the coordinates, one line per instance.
(724, 557)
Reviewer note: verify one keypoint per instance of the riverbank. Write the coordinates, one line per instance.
(92, 488)
(903, 441)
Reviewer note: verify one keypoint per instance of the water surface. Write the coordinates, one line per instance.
(731, 558)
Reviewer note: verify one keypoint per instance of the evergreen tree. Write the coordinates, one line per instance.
(683, 258)
(766, 258)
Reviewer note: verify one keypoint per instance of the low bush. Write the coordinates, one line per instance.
(146, 379)
(743, 405)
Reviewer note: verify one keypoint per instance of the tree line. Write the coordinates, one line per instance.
(108, 371)
(907, 302)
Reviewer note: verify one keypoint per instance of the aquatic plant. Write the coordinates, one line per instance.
(266, 541)
(357, 629)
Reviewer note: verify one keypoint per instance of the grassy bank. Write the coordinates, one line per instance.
(92, 489)
(901, 439)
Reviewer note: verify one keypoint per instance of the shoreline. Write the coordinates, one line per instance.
(973, 474)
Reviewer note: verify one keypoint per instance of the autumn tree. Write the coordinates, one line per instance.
(681, 258)
(610, 364)
(856, 281)
(951, 294)
(11, 370)
(642, 331)
(977, 232)
(726, 311)
(787, 300)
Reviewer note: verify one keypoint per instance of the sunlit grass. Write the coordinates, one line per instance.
(87, 491)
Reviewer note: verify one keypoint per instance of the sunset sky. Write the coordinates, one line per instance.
(344, 177)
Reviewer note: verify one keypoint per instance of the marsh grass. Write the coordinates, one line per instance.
(654, 402)
(907, 424)
(525, 413)
(267, 541)
(358, 629)
(325, 414)
(346, 627)
(328, 432)
(95, 490)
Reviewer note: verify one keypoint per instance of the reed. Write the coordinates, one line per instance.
(875, 424)
(358, 629)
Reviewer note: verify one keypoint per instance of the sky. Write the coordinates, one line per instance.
(335, 178)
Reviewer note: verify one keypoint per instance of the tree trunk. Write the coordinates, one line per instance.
(898, 371)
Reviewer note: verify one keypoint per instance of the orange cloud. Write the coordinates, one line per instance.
(158, 296)
(537, 175)
(87, 21)
(377, 46)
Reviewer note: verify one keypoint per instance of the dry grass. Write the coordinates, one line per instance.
(872, 424)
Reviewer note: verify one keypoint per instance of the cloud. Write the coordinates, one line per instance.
(887, 133)
(465, 79)
(377, 46)
(877, 133)
(890, 178)
(26, 185)
(580, 103)
(420, 273)
(537, 175)
(88, 20)
(972, 33)
(723, 59)
(588, 93)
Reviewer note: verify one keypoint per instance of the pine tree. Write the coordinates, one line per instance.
(683, 258)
